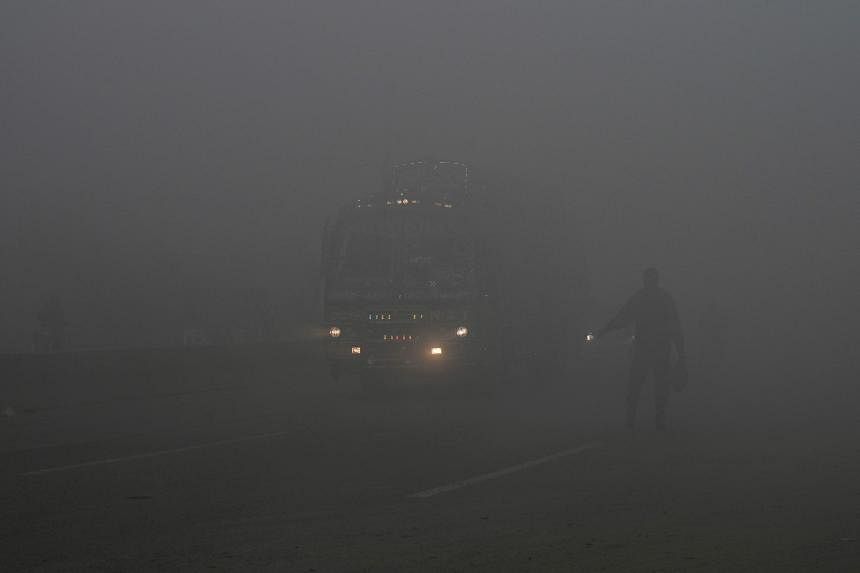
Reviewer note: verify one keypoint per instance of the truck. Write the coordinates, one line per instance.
(433, 275)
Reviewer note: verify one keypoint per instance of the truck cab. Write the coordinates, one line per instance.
(403, 286)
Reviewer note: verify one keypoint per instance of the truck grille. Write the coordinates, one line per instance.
(399, 338)
(395, 316)
(386, 333)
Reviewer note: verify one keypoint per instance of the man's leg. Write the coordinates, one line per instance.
(662, 385)
(639, 367)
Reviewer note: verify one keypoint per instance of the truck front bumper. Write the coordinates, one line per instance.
(357, 355)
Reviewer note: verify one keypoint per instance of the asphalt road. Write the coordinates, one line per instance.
(294, 472)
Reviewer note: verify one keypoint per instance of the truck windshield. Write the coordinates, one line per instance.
(440, 250)
(437, 258)
(366, 255)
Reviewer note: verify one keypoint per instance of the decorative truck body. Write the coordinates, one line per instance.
(427, 276)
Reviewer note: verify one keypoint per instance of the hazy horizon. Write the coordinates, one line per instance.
(162, 160)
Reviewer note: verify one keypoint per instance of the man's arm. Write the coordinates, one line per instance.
(677, 334)
(622, 319)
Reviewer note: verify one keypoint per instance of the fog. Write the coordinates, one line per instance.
(167, 168)
(154, 153)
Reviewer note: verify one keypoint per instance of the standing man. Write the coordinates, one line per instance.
(657, 327)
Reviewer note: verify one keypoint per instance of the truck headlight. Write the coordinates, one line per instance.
(436, 351)
(462, 331)
(334, 332)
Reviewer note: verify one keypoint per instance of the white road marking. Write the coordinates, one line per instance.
(154, 454)
(504, 471)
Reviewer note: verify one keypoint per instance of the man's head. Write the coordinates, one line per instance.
(650, 277)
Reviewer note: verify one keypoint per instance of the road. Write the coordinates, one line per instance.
(294, 472)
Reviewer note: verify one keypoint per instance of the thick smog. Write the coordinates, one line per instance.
(445, 286)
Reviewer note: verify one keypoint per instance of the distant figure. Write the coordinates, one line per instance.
(657, 327)
(50, 335)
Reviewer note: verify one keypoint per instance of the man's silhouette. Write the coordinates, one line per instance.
(654, 316)
(51, 334)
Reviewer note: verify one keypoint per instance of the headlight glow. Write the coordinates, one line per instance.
(356, 349)
(334, 332)
(462, 331)
(436, 351)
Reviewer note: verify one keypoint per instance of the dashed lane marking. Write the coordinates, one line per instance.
(505, 471)
(155, 454)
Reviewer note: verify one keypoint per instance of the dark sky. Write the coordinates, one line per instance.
(156, 151)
